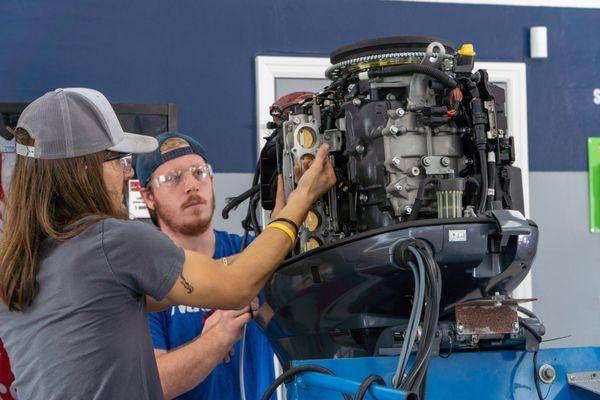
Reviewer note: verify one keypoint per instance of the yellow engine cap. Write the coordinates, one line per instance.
(467, 50)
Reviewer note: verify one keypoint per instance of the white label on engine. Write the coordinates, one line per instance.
(458, 235)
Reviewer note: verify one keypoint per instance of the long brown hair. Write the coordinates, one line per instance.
(45, 199)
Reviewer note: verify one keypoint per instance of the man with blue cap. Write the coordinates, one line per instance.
(197, 350)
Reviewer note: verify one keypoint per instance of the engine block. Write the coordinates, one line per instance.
(413, 133)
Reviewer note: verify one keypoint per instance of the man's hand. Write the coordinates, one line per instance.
(184, 368)
(229, 325)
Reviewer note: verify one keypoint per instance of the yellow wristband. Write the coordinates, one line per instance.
(285, 229)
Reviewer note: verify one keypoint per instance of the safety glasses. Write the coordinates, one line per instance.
(126, 161)
(174, 177)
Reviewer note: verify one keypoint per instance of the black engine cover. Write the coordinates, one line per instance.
(335, 301)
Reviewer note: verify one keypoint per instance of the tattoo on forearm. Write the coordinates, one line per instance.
(188, 287)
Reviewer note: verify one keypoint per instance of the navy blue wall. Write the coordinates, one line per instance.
(200, 55)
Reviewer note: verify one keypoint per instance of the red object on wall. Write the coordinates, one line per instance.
(6, 376)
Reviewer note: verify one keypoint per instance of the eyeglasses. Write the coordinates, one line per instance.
(126, 161)
(175, 176)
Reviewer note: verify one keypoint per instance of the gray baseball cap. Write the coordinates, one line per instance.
(73, 122)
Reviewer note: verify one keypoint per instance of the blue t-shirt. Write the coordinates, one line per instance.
(181, 324)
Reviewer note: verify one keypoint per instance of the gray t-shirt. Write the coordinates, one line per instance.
(86, 334)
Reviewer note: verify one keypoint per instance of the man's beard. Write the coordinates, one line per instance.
(194, 227)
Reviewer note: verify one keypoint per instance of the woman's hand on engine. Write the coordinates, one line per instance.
(318, 175)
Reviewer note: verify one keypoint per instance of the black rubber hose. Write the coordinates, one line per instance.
(253, 204)
(366, 383)
(477, 185)
(423, 389)
(246, 222)
(295, 371)
(236, 201)
(536, 377)
(244, 240)
(479, 120)
(419, 200)
(435, 73)
(430, 321)
(527, 312)
(414, 379)
(401, 257)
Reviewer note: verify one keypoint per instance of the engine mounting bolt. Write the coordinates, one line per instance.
(363, 198)
(394, 130)
(426, 161)
(398, 187)
(415, 171)
(356, 102)
(547, 373)
(396, 162)
(515, 326)
(400, 111)
(359, 148)
(296, 120)
(407, 210)
(445, 161)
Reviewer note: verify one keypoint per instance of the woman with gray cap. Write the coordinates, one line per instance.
(77, 278)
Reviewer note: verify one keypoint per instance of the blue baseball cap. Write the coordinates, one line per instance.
(147, 163)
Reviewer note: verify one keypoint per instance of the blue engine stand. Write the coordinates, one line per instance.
(480, 375)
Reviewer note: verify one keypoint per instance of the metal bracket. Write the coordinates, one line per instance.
(434, 55)
(490, 106)
(511, 223)
(496, 315)
(589, 380)
(333, 137)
